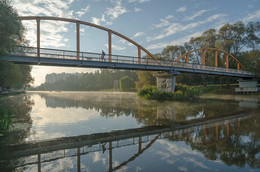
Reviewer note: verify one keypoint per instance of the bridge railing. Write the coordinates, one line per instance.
(88, 56)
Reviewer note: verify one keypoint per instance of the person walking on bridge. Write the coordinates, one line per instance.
(103, 56)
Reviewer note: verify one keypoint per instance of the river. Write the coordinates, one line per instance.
(110, 131)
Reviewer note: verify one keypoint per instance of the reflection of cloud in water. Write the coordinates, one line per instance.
(174, 149)
(195, 162)
(66, 164)
(43, 115)
(200, 115)
(41, 135)
(183, 169)
(97, 157)
(117, 163)
(175, 153)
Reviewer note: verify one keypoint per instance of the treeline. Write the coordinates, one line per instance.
(239, 39)
(11, 34)
(104, 79)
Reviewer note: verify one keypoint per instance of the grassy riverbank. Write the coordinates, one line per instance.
(184, 92)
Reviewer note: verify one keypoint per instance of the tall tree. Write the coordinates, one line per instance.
(11, 29)
(11, 35)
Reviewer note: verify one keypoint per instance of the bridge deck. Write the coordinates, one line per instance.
(52, 57)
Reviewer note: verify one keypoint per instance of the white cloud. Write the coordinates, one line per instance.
(116, 11)
(138, 34)
(137, 9)
(182, 9)
(164, 22)
(199, 13)
(174, 28)
(116, 47)
(175, 42)
(122, 40)
(139, 1)
(98, 21)
(252, 16)
(51, 31)
(83, 11)
(169, 17)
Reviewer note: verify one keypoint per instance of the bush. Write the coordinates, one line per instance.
(182, 92)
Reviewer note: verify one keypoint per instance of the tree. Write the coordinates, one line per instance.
(11, 35)
(11, 29)
(127, 84)
(145, 79)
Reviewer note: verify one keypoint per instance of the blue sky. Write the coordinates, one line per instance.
(152, 23)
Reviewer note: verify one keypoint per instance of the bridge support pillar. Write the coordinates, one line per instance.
(166, 81)
(247, 86)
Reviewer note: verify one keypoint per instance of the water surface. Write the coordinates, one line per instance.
(102, 131)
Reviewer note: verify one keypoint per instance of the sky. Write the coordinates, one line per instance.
(154, 24)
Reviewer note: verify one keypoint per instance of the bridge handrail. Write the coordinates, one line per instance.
(68, 54)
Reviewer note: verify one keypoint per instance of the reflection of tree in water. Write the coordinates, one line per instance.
(239, 146)
(107, 105)
(145, 112)
(21, 122)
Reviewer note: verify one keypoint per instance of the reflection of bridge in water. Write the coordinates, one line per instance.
(54, 149)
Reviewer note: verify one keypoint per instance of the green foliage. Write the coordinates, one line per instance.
(127, 84)
(11, 35)
(11, 29)
(182, 92)
(5, 120)
(145, 78)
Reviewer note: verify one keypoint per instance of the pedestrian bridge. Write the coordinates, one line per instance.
(55, 57)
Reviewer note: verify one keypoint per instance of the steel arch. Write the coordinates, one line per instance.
(216, 53)
(78, 22)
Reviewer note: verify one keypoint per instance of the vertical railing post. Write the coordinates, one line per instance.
(109, 46)
(140, 144)
(187, 60)
(216, 58)
(227, 128)
(187, 134)
(204, 134)
(139, 55)
(203, 58)
(38, 37)
(216, 132)
(110, 156)
(78, 39)
(78, 159)
(238, 67)
(227, 65)
(39, 162)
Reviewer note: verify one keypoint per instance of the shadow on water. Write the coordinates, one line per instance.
(225, 131)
